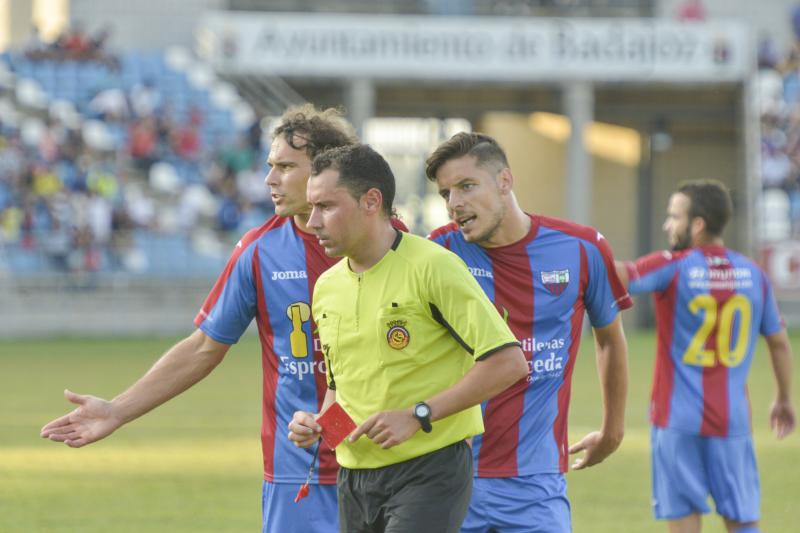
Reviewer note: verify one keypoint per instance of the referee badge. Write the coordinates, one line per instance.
(397, 336)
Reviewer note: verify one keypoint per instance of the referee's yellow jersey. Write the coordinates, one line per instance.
(407, 328)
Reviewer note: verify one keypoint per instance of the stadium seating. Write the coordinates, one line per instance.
(49, 103)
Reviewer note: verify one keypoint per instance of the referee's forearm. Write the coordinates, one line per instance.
(485, 380)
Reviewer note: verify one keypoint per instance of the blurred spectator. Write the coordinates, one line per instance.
(238, 157)
(110, 104)
(776, 168)
(186, 138)
(796, 22)
(73, 44)
(145, 99)
(779, 101)
(82, 203)
(142, 146)
(36, 48)
(98, 218)
(767, 53)
(691, 11)
(250, 185)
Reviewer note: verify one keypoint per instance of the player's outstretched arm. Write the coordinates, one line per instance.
(182, 366)
(781, 416)
(612, 366)
(622, 273)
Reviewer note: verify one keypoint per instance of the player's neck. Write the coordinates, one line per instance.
(513, 228)
(375, 245)
(708, 240)
(301, 221)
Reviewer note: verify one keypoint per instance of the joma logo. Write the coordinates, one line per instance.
(289, 274)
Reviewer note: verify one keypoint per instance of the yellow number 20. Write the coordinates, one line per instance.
(729, 355)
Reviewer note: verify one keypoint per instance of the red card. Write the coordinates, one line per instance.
(336, 425)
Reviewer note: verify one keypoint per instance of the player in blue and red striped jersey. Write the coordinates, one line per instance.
(542, 274)
(711, 304)
(270, 277)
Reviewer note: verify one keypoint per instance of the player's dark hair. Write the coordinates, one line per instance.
(709, 200)
(305, 126)
(360, 169)
(485, 149)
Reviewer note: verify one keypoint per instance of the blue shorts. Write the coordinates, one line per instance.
(687, 468)
(523, 504)
(316, 513)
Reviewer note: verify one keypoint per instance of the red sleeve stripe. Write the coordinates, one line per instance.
(269, 416)
(652, 262)
(664, 368)
(560, 424)
(443, 230)
(596, 239)
(249, 238)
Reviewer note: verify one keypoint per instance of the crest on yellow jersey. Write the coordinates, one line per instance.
(397, 336)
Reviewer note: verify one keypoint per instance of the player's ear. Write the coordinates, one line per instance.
(505, 181)
(697, 225)
(372, 200)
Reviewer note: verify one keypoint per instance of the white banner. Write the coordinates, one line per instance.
(476, 48)
(781, 261)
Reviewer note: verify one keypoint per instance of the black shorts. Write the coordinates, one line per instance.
(427, 494)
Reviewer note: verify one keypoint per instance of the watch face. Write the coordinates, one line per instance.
(422, 411)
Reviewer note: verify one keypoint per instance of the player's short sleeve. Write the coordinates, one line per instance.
(605, 296)
(231, 304)
(771, 321)
(458, 303)
(652, 273)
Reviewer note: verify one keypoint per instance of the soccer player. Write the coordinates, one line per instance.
(270, 277)
(412, 344)
(711, 303)
(542, 275)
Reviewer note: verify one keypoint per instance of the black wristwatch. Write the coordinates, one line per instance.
(422, 412)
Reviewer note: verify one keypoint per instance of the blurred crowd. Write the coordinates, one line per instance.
(73, 44)
(779, 100)
(77, 195)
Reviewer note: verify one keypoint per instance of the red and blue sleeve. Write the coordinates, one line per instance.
(231, 304)
(605, 295)
(771, 321)
(653, 272)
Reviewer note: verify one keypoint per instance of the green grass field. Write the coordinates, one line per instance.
(194, 464)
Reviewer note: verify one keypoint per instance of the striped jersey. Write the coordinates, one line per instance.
(270, 277)
(710, 305)
(542, 285)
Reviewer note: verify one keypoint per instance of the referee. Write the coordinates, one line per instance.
(412, 343)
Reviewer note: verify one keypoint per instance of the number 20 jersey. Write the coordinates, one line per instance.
(710, 305)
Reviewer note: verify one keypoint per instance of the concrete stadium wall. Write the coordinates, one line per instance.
(144, 24)
(43, 309)
(538, 164)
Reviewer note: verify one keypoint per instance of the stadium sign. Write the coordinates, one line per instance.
(781, 260)
(475, 48)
